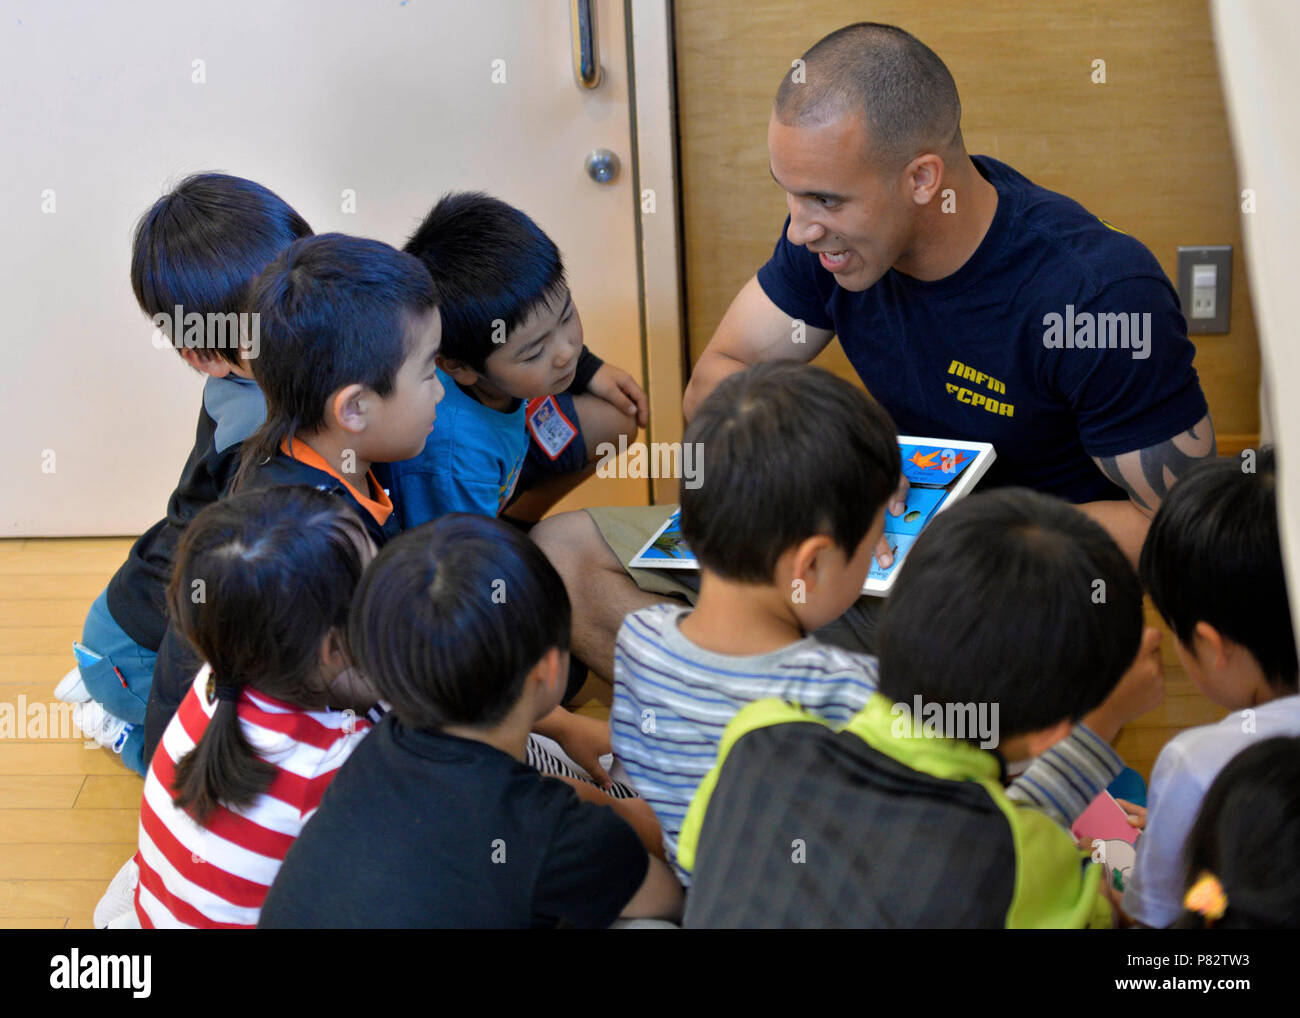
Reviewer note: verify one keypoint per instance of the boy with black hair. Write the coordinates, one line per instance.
(784, 526)
(352, 334)
(1212, 563)
(527, 403)
(436, 820)
(196, 252)
(349, 333)
(901, 821)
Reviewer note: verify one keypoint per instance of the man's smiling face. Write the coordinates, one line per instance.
(857, 217)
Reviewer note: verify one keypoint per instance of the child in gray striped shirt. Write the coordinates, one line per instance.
(798, 466)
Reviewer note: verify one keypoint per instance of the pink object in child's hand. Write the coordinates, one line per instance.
(1104, 820)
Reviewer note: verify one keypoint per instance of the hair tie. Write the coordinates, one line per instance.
(217, 691)
(1207, 898)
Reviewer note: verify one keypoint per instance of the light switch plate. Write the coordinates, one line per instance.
(1205, 313)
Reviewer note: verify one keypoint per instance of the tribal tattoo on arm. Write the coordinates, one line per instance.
(1148, 474)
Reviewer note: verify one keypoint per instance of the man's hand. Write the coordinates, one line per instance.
(895, 506)
(1141, 689)
(619, 389)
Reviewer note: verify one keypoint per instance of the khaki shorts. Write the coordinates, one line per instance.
(626, 530)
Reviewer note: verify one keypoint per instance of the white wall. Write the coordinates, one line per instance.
(392, 99)
(1258, 42)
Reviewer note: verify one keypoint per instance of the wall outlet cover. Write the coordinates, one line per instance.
(1205, 288)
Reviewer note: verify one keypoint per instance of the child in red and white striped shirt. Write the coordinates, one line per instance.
(262, 588)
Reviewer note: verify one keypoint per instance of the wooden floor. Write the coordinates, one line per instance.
(68, 813)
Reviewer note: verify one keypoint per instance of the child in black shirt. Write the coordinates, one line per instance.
(196, 252)
(436, 820)
(349, 331)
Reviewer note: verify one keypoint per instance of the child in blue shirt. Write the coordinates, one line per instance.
(527, 404)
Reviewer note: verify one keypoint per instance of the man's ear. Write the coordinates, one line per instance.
(217, 367)
(1210, 646)
(924, 175)
(1039, 742)
(348, 407)
(459, 370)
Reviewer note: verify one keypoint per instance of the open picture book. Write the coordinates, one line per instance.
(939, 472)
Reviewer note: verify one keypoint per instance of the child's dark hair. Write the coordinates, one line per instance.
(786, 451)
(493, 267)
(261, 579)
(201, 245)
(1014, 598)
(333, 310)
(451, 617)
(1247, 838)
(1213, 555)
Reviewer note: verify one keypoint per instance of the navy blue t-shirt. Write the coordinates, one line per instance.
(421, 829)
(968, 356)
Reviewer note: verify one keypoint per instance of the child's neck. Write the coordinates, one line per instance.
(1261, 690)
(1243, 681)
(510, 735)
(339, 451)
(489, 395)
(740, 619)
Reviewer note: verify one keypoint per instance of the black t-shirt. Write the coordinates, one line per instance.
(1009, 348)
(233, 408)
(421, 829)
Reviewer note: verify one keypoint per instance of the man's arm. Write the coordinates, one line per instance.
(753, 330)
(1146, 475)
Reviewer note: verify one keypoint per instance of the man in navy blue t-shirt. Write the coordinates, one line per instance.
(973, 304)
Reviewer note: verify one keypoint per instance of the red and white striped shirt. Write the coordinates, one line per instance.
(216, 876)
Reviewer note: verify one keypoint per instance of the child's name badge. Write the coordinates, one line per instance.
(548, 425)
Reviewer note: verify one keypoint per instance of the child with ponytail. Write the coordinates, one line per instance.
(263, 584)
(1242, 857)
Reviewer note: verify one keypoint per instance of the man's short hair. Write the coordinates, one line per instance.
(1015, 598)
(897, 84)
(787, 451)
(1213, 555)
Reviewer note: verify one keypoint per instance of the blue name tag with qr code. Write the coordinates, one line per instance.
(549, 427)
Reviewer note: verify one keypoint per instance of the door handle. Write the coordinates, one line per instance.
(586, 55)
